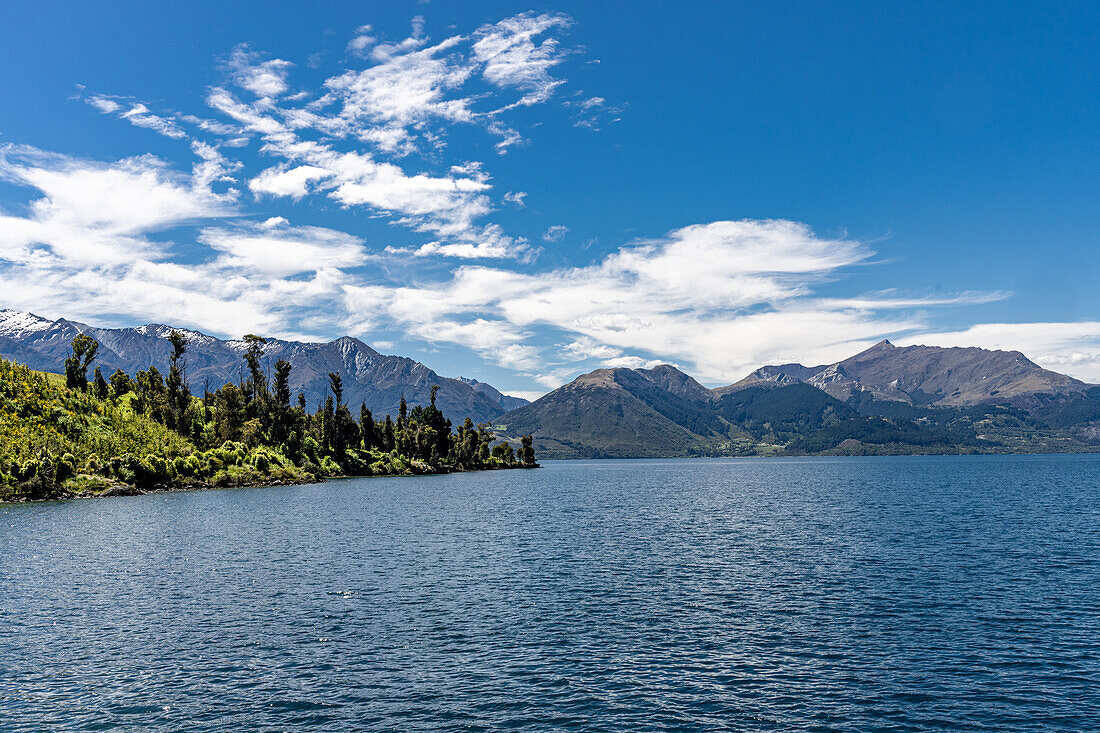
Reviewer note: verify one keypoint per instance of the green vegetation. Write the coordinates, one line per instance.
(72, 436)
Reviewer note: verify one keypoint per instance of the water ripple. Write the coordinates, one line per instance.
(899, 594)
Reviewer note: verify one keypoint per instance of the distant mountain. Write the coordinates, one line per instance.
(369, 376)
(506, 402)
(617, 413)
(925, 375)
(916, 399)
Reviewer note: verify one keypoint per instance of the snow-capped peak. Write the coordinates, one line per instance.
(15, 323)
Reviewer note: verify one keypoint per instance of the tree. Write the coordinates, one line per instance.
(121, 383)
(388, 439)
(366, 427)
(179, 394)
(229, 412)
(336, 384)
(282, 383)
(152, 395)
(345, 431)
(253, 352)
(504, 452)
(76, 366)
(328, 424)
(281, 423)
(527, 450)
(100, 389)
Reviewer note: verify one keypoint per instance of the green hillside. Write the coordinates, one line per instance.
(63, 436)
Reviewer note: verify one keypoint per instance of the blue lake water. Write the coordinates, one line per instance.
(943, 593)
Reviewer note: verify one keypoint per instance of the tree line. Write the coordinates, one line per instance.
(259, 411)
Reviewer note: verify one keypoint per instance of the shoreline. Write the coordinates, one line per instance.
(122, 489)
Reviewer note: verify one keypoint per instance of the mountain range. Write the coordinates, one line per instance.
(368, 376)
(887, 399)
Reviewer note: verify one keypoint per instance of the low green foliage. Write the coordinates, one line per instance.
(68, 436)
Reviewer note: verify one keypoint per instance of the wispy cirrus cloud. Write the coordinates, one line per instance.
(347, 139)
(512, 56)
(267, 80)
(138, 115)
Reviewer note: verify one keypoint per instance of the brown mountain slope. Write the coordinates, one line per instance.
(924, 375)
(617, 413)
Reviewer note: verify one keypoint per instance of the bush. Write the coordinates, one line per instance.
(330, 467)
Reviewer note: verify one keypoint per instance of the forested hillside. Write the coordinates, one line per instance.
(84, 433)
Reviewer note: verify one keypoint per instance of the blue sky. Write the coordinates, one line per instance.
(522, 193)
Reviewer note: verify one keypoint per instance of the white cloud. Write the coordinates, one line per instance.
(722, 297)
(98, 212)
(588, 348)
(516, 198)
(281, 251)
(213, 167)
(84, 248)
(362, 41)
(138, 115)
(265, 79)
(555, 233)
(283, 180)
(510, 57)
(390, 103)
(104, 104)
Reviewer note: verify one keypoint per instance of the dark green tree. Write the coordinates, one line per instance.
(152, 395)
(100, 387)
(281, 421)
(179, 394)
(527, 450)
(366, 428)
(336, 384)
(253, 353)
(84, 350)
(388, 439)
(229, 412)
(121, 383)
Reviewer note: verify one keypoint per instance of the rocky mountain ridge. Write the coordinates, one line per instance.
(369, 376)
(884, 399)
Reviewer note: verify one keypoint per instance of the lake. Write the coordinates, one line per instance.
(895, 593)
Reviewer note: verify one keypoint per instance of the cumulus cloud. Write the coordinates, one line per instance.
(719, 298)
(86, 245)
